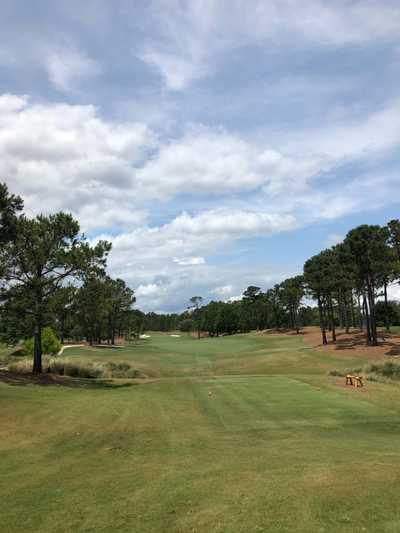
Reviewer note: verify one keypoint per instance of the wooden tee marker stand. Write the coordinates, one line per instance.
(355, 381)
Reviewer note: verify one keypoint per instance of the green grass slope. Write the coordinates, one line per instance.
(239, 434)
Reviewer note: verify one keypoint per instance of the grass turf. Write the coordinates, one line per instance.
(239, 434)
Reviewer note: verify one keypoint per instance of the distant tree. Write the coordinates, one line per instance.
(252, 298)
(120, 299)
(211, 314)
(92, 307)
(277, 312)
(394, 236)
(291, 295)
(135, 321)
(227, 319)
(370, 252)
(187, 325)
(196, 303)
(61, 306)
(390, 311)
(10, 205)
(319, 284)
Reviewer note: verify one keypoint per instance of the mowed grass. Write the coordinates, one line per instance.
(164, 356)
(238, 434)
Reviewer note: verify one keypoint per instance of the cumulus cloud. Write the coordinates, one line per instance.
(62, 156)
(151, 289)
(143, 256)
(209, 161)
(118, 179)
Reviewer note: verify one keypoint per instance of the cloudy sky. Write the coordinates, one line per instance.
(216, 143)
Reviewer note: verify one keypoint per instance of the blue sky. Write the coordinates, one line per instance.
(217, 144)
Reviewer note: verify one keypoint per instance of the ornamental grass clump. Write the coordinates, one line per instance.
(77, 368)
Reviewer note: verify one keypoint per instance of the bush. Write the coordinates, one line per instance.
(78, 369)
(388, 370)
(384, 373)
(50, 343)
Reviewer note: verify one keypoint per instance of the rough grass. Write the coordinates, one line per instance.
(246, 434)
(77, 368)
(385, 372)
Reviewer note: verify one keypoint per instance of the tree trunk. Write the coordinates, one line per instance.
(360, 315)
(322, 321)
(371, 302)
(346, 312)
(62, 330)
(37, 353)
(295, 321)
(332, 319)
(37, 348)
(367, 321)
(341, 310)
(387, 324)
(353, 315)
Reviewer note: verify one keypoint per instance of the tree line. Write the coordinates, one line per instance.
(51, 276)
(349, 279)
(277, 308)
(349, 283)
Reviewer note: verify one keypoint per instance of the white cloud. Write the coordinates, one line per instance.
(192, 38)
(368, 135)
(67, 67)
(143, 256)
(236, 298)
(149, 290)
(216, 162)
(62, 156)
(187, 261)
(222, 291)
(118, 177)
(394, 292)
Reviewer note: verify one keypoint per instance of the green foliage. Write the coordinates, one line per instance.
(44, 252)
(187, 325)
(10, 205)
(50, 343)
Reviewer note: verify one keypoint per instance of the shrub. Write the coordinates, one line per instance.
(388, 370)
(384, 373)
(50, 343)
(339, 373)
(78, 369)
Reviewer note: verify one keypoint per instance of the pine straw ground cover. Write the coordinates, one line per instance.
(248, 433)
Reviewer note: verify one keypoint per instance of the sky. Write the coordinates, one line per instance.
(216, 143)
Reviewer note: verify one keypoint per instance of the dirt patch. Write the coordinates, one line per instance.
(353, 343)
(343, 385)
(14, 378)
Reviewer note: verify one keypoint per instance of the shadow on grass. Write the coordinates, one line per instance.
(286, 331)
(13, 378)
